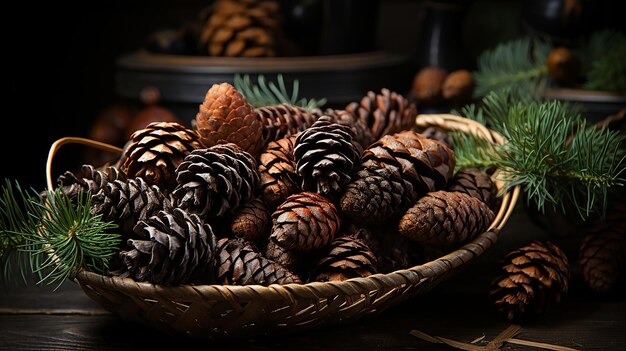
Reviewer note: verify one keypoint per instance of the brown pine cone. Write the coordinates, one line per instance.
(154, 153)
(290, 259)
(305, 221)
(458, 87)
(283, 120)
(533, 277)
(225, 116)
(362, 134)
(439, 134)
(239, 263)
(252, 221)
(348, 257)
(476, 183)
(277, 169)
(242, 28)
(385, 113)
(444, 219)
(428, 85)
(602, 250)
(89, 179)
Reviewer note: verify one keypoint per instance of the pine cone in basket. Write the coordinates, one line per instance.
(325, 157)
(395, 171)
(225, 116)
(174, 247)
(533, 277)
(283, 120)
(154, 153)
(445, 219)
(437, 133)
(252, 221)
(89, 179)
(291, 259)
(239, 263)
(385, 113)
(305, 221)
(348, 257)
(362, 134)
(602, 250)
(476, 183)
(216, 181)
(245, 28)
(277, 169)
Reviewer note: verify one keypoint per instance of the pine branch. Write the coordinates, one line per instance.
(269, 93)
(605, 61)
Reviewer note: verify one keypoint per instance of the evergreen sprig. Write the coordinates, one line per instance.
(550, 152)
(604, 56)
(265, 93)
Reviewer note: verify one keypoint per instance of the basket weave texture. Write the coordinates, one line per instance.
(226, 311)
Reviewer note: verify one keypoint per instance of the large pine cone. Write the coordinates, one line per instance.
(239, 263)
(476, 183)
(216, 181)
(283, 120)
(305, 221)
(325, 157)
(175, 247)
(444, 219)
(225, 116)
(154, 152)
(385, 113)
(533, 277)
(246, 28)
(396, 171)
(348, 257)
(252, 221)
(602, 250)
(362, 134)
(89, 179)
(290, 259)
(277, 169)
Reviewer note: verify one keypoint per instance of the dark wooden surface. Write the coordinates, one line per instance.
(36, 317)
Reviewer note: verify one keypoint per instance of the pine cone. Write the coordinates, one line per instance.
(476, 183)
(175, 248)
(437, 134)
(127, 202)
(89, 179)
(252, 221)
(225, 116)
(362, 134)
(290, 259)
(242, 28)
(216, 181)
(305, 221)
(395, 171)
(385, 113)
(348, 257)
(533, 277)
(325, 157)
(444, 219)
(154, 152)
(602, 250)
(239, 263)
(283, 120)
(277, 169)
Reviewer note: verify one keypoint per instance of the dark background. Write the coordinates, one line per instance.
(60, 62)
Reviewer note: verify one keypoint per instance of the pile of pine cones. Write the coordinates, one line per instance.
(280, 194)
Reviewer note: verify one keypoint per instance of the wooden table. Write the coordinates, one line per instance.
(35, 317)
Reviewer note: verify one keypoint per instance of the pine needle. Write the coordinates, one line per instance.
(604, 58)
(265, 93)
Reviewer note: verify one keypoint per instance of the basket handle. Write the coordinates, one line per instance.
(74, 140)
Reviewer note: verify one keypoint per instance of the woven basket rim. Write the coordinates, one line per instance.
(421, 272)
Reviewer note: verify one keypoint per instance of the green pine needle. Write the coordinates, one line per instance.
(265, 93)
(605, 60)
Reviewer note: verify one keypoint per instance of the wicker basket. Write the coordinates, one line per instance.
(223, 311)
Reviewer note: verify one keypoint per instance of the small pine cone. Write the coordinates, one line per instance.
(277, 169)
(239, 263)
(130, 201)
(399, 252)
(225, 116)
(325, 157)
(305, 221)
(385, 113)
(252, 221)
(444, 219)
(437, 133)
(476, 183)
(362, 134)
(602, 249)
(348, 257)
(533, 277)
(175, 247)
(216, 181)
(89, 179)
(283, 120)
(290, 259)
(154, 153)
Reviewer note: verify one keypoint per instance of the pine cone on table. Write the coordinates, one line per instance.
(533, 277)
(277, 169)
(476, 183)
(362, 134)
(283, 120)
(348, 257)
(252, 221)
(89, 179)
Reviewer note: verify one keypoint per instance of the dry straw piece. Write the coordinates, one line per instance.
(227, 311)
